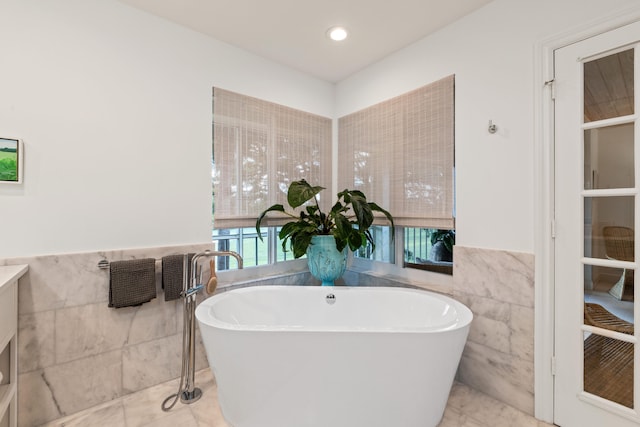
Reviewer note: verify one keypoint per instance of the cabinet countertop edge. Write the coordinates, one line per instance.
(11, 273)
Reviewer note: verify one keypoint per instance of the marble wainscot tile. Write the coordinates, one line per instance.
(37, 402)
(58, 281)
(502, 326)
(491, 333)
(48, 394)
(499, 375)
(150, 363)
(486, 307)
(498, 358)
(87, 382)
(91, 329)
(66, 280)
(153, 320)
(522, 332)
(296, 279)
(500, 275)
(36, 340)
(491, 322)
(153, 362)
(68, 336)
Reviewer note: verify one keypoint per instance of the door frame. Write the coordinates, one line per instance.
(544, 192)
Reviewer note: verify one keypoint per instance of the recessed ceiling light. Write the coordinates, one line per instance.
(337, 33)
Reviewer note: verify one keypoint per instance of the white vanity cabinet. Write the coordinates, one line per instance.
(9, 276)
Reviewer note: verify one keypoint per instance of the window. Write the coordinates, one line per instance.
(429, 249)
(246, 242)
(259, 148)
(400, 153)
(384, 247)
(421, 249)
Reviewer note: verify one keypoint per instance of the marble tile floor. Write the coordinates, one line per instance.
(466, 408)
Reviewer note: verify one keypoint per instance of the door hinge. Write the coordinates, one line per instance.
(553, 365)
(552, 86)
(553, 228)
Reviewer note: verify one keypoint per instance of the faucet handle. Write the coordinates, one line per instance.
(192, 291)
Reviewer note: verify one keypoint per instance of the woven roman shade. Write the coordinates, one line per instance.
(400, 153)
(259, 148)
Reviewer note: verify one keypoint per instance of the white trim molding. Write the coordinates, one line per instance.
(544, 184)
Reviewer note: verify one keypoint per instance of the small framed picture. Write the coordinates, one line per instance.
(11, 154)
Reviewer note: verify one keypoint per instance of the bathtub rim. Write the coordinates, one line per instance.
(465, 315)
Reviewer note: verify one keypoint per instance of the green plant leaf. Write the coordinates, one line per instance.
(338, 208)
(300, 192)
(344, 194)
(356, 240)
(374, 207)
(300, 244)
(361, 209)
(287, 229)
(274, 208)
(349, 229)
(343, 227)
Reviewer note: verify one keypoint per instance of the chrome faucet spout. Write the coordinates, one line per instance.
(210, 254)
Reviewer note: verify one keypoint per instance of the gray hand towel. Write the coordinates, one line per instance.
(132, 282)
(172, 276)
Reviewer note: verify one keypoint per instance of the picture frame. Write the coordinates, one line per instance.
(11, 160)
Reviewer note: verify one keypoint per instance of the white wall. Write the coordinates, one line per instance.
(114, 107)
(491, 52)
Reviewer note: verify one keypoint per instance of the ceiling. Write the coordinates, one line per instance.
(293, 32)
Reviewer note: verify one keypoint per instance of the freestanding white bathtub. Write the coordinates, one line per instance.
(312, 356)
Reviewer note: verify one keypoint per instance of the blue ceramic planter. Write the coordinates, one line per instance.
(325, 261)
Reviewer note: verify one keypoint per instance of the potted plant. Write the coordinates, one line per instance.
(442, 242)
(346, 225)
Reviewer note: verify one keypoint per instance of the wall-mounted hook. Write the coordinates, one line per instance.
(492, 128)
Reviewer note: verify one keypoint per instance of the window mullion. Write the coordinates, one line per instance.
(272, 245)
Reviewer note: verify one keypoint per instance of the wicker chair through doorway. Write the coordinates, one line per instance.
(619, 243)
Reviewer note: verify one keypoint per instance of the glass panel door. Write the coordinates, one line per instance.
(609, 227)
(596, 207)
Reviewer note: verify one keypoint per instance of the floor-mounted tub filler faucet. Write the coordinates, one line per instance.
(191, 285)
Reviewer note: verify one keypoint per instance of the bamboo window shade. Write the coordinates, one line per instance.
(400, 153)
(259, 148)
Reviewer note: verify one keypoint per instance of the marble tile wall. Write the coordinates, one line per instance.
(498, 286)
(75, 352)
